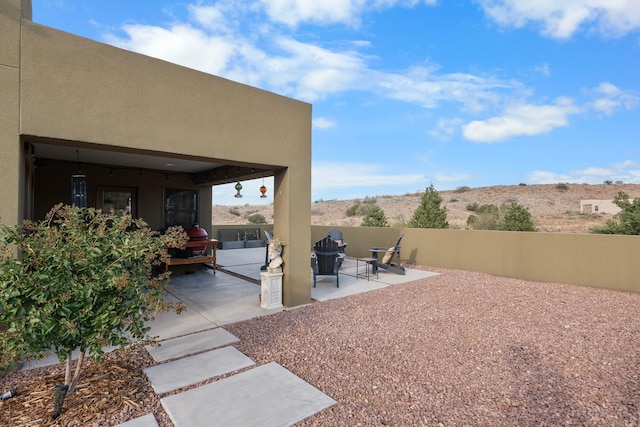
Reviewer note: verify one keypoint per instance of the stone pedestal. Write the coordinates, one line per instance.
(271, 290)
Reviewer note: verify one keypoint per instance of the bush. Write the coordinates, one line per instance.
(562, 187)
(429, 213)
(374, 217)
(472, 206)
(357, 209)
(463, 189)
(84, 282)
(627, 221)
(257, 218)
(517, 218)
(487, 218)
(234, 211)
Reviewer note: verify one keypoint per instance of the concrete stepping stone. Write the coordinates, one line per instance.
(145, 421)
(190, 344)
(193, 369)
(268, 395)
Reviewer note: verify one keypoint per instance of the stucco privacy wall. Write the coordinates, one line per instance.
(595, 260)
(74, 89)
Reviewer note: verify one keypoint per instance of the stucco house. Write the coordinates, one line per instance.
(599, 206)
(147, 136)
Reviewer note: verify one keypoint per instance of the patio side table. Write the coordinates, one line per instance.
(373, 262)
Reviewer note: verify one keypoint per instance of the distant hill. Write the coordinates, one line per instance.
(555, 208)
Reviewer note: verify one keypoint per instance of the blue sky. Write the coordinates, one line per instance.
(408, 93)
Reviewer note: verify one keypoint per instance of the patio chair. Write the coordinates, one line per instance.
(387, 259)
(325, 259)
(336, 236)
(268, 237)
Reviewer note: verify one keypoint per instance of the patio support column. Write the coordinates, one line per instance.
(292, 224)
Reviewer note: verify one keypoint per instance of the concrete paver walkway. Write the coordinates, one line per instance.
(268, 395)
(195, 347)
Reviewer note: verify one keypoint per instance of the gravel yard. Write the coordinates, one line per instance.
(463, 349)
(456, 349)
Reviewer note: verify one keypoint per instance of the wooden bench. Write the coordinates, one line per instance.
(208, 258)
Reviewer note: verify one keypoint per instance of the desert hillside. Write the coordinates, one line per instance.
(555, 208)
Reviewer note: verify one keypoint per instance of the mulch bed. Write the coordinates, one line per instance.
(107, 394)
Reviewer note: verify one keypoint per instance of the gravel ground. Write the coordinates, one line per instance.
(457, 349)
(463, 349)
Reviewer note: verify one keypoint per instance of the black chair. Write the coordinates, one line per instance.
(336, 236)
(326, 260)
(387, 259)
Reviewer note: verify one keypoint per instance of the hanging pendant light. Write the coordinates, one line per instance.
(78, 186)
(263, 190)
(238, 187)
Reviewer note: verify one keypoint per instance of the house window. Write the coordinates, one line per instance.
(122, 200)
(595, 208)
(180, 208)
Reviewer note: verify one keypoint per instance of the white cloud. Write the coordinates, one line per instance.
(521, 120)
(422, 85)
(328, 175)
(609, 99)
(323, 123)
(562, 19)
(626, 171)
(323, 12)
(445, 129)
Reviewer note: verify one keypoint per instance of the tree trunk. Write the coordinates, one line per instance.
(76, 374)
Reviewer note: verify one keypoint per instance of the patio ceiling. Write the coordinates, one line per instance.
(211, 171)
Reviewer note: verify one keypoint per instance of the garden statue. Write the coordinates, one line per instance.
(275, 252)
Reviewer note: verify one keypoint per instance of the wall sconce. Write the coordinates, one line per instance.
(238, 187)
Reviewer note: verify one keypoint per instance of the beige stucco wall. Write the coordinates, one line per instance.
(595, 260)
(10, 149)
(67, 88)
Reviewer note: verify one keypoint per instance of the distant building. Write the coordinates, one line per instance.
(599, 206)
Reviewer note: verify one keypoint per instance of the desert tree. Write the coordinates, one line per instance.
(374, 217)
(627, 221)
(429, 213)
(517, 218)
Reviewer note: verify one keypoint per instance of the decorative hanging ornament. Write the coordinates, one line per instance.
(238, 187)
(263, 190)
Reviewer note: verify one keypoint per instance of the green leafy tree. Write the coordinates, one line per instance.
(374, 217)
(627, 221)
(517, 218)
(83, 281)
(429, 214)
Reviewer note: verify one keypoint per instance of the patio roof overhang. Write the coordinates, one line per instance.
(202, 170)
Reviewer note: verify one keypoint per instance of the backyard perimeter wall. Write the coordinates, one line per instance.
(595, 260)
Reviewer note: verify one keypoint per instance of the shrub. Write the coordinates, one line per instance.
(357, 209)
(517, 218)
(374, 217)
(522, 184)
(562, 187)
(472, 206)
(429, 213)
(608, 182)
(463, 189)
(257, 218)
(487, 218)
(84, 282)
(234, 211)
(627, 221)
